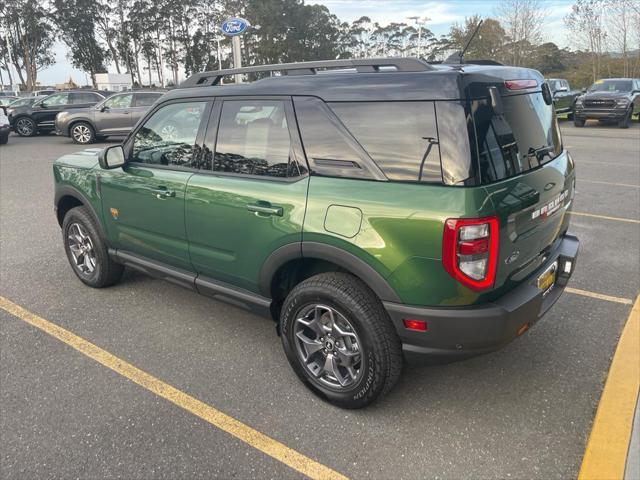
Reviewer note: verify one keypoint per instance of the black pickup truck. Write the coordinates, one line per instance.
(564, 98)
(609, 100)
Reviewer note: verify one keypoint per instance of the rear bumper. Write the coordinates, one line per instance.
(455, 333)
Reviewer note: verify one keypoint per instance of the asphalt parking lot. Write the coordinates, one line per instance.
(523, 412)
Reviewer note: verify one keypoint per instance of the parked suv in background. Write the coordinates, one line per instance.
(39, 117)
(115, 115)
(394, 210)
(611, 99)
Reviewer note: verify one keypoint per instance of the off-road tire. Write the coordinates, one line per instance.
(106, 272)
(82, 133)
(381, 348)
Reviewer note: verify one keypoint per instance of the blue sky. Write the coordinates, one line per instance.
(442, 14)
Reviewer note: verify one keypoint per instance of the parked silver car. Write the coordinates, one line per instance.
(116, 115)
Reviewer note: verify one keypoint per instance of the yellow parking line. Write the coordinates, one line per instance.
(607, 448)
(599, 296)
(615, 184)
(605, 217)
(248, 435)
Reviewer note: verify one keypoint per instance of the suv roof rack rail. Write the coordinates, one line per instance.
(362, 65)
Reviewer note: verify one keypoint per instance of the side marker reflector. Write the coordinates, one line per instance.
(415, 325)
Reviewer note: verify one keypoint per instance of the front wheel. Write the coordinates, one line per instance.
(82, 133)
(86, 250)
(26, 127)
(626, 121)
(339, 340)
(578, 122)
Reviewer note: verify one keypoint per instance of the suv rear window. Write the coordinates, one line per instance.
(401, 137)
(523, 137)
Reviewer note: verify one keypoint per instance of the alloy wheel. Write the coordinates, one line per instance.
(24, 126)
(81, 248)
(81, 134)
(328, 346)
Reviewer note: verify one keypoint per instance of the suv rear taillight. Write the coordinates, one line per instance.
(470, 250)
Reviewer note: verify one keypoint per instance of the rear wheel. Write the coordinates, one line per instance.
(578, 122)
(4, 139)
(86, 250)
(82, 133)
(339, 340)
(26, 127)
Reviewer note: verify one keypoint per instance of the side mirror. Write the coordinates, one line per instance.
(103, 108)
(112, 157)
(42, 105)
(584, 90)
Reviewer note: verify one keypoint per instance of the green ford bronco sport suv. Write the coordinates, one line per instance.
(380, 211)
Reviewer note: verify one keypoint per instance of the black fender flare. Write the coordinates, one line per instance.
(69, 191)
(323, 251)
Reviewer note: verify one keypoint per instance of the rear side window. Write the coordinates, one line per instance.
(523, 137)
(331, 150)
(145, 99)
(118, 101)
(401, 137)
(253, 139)
(84, 97)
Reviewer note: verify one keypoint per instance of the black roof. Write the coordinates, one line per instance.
(433, 82)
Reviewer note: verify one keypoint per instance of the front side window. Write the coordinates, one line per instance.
(168, 137)
(400, 137)
(118, 101)
(57, 99)
(253, 139)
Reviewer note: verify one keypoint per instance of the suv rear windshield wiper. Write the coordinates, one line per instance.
(539, 153)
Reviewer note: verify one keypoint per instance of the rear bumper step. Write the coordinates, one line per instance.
(455, 333)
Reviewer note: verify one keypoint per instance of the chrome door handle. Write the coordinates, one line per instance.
(161, 193)
(265, 209)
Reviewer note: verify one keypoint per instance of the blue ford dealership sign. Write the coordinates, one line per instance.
(234, 26)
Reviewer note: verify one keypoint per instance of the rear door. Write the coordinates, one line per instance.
(114, 115)
(528, 177)
(249, 197)
(143, 203)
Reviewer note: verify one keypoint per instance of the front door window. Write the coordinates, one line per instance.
(169, 136)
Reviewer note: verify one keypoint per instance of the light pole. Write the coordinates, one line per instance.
(419, 22)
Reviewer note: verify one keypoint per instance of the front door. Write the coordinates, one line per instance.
(143, 202)
(113, 116)
(249, 199)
